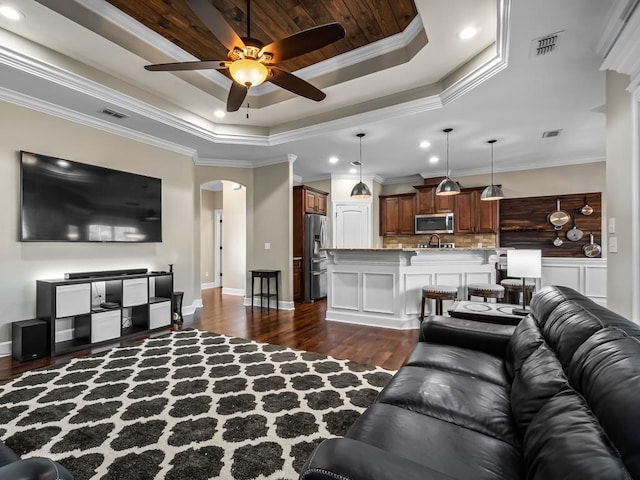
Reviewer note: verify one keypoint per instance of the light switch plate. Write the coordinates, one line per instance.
(613, 244)
(612, 225)
(267, 246)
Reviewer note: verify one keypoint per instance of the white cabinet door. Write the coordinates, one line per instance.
(73, 300)
(135, 291)
(353, 225)
(159, 315)
(105, 326)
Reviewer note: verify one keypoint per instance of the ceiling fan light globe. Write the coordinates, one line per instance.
(492, 192)
(448, 187)
(248, 72)
(360, 190)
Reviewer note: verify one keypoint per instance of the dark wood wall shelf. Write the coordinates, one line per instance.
(524, 223)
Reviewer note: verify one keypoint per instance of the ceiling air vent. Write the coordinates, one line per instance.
(113, 113)
(551, 133)
(545, 45)
(356, 163)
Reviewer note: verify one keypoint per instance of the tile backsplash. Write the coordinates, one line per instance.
(461, 241)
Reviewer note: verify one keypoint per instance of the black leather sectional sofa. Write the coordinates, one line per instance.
(559, 398)
(37, 468)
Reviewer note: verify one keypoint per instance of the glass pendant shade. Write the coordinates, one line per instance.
(448, 186)
(248, 72)
(360, 189)
(492, 192)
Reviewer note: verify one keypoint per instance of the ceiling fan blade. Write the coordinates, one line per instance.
(305, 41)
(216, 23)
(294, 84)
(197, 65)
(237, 94)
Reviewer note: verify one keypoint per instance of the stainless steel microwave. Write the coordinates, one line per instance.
(434, 223)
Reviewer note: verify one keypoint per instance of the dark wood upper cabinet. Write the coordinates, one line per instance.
(472, 215)
(314, 201)
(397, 214)
(428, 202)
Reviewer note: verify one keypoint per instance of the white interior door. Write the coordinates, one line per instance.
(352, 225)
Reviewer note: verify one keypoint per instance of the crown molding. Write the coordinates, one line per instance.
(111, 14)
(623, 53)
(80, 84)
(353, 57)
(316, 178)
(265, 162)
(89, 121)
(296, 179)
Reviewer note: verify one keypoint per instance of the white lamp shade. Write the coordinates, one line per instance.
(524, 263)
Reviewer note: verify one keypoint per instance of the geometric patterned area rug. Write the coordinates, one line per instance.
(188, 405)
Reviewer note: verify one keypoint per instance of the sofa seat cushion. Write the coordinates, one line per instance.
(453, 397)
(461, 360)
(451, 449)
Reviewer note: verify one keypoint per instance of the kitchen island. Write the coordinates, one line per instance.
(382, 287)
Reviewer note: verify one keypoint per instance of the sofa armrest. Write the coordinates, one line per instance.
(486, 337)
(345, 458)
(36, 468)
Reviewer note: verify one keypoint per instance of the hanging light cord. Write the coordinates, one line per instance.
(447, 154)
(360, 159)
(492, 164)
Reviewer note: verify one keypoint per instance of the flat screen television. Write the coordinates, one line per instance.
(66, 201)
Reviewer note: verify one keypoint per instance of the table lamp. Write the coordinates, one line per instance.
(524, 264)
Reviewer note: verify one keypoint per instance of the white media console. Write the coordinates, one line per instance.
(85, 311)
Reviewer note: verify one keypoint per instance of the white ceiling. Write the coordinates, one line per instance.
(73, 58)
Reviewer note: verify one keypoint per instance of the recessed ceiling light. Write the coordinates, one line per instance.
(353, 170)
(467, 33)
(11, 13)
(425, 144)
(433, 159)
(220, 113)
(334, 159)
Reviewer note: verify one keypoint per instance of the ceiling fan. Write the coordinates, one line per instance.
(250, 62)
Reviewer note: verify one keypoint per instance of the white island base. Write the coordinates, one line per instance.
(383, 287)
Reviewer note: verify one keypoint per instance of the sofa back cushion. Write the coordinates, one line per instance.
(525, 340)
(548, 298)
(539, 379)
(565, 440)
(606, 370)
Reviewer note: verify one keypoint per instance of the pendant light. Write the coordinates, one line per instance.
(360, 190)
(448, 186)
(492, 192)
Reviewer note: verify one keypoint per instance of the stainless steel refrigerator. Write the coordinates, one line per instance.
(316, 238)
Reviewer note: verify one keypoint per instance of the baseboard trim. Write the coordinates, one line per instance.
(204, 286)
(372, 320)
(282, 305)
(5, 349)
(233, 291)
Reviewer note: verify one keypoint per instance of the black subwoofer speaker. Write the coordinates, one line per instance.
(29, 339)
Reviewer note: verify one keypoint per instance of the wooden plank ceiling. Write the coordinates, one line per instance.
(365, 21)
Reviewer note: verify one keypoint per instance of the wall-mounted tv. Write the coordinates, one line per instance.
(66, 201)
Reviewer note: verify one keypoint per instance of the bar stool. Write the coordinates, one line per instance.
(485, 290)
(437, 293)
(513, 287)
(265, 275)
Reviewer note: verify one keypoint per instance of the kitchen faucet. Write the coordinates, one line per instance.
(431, 238)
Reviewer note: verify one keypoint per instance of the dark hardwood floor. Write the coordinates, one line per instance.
(304, 328)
